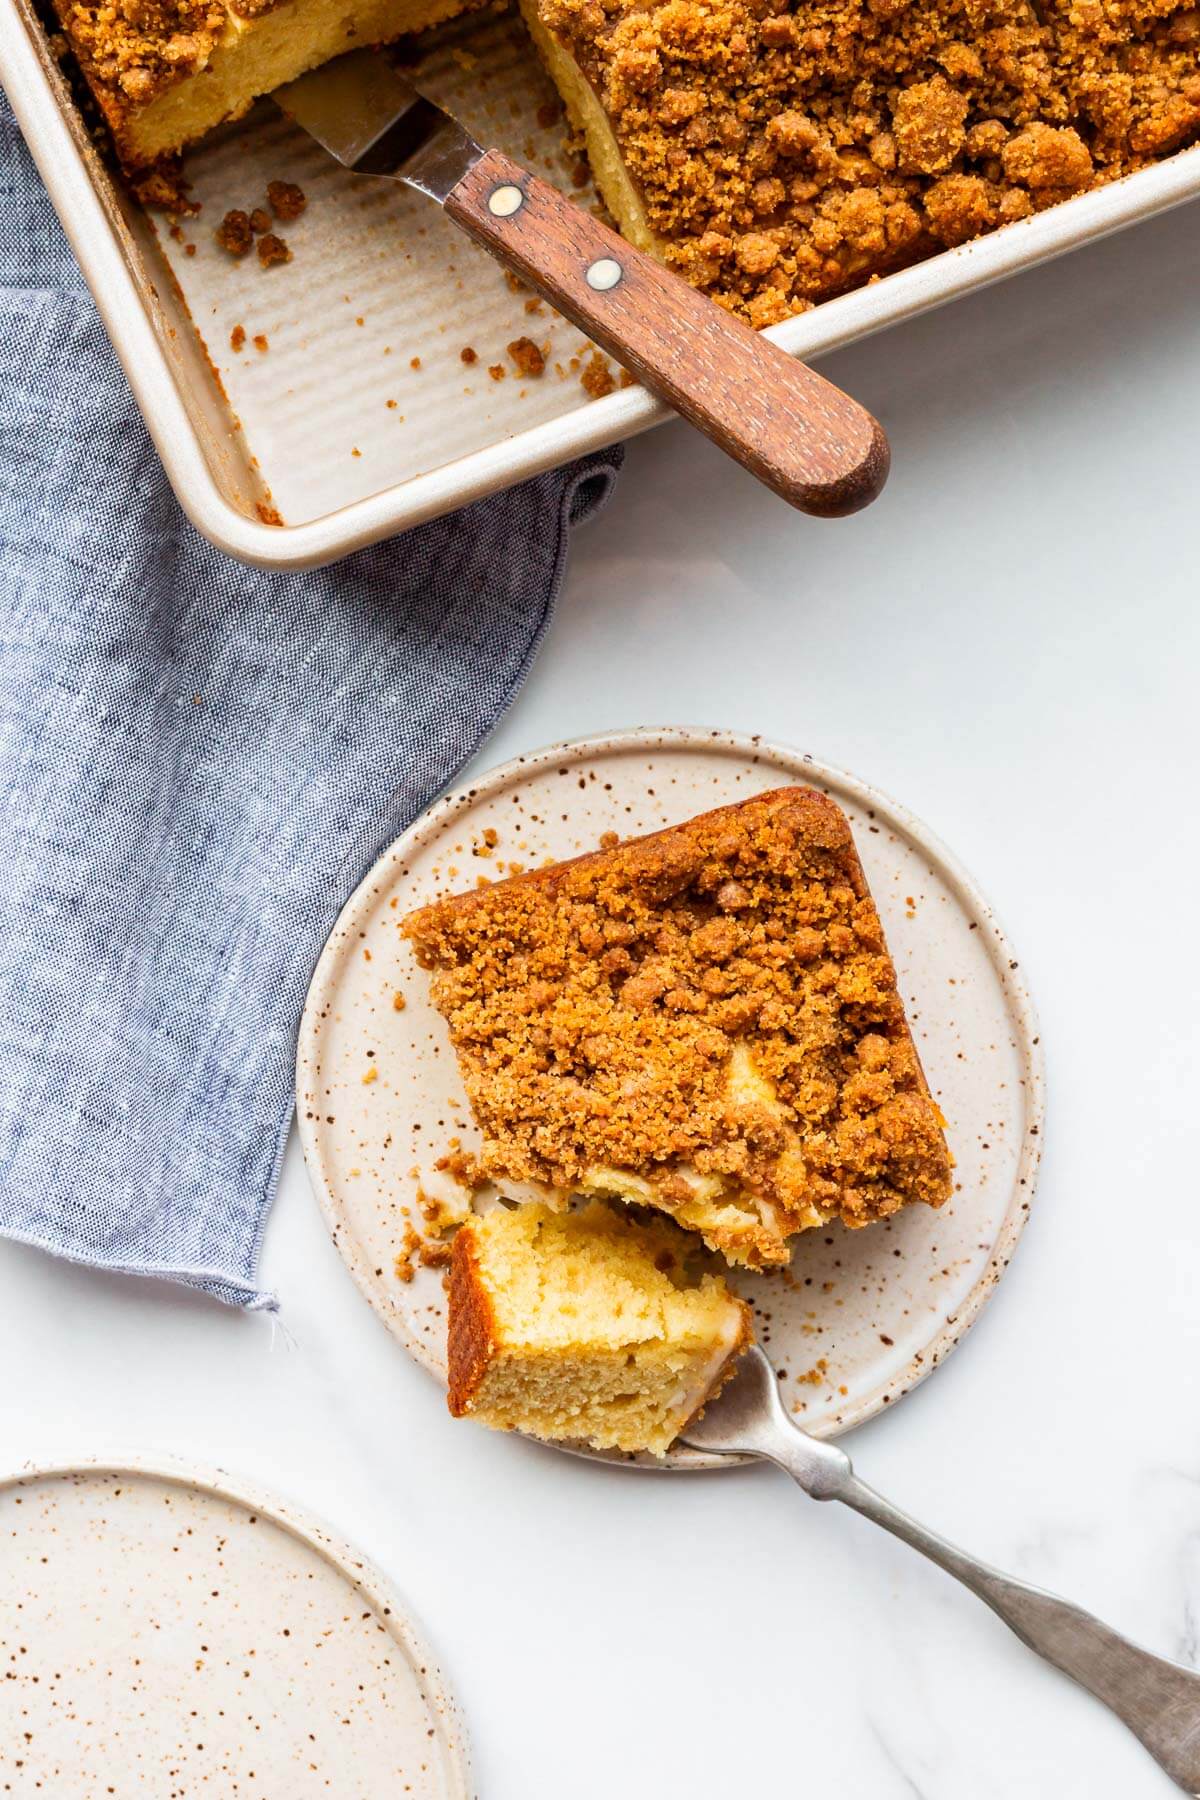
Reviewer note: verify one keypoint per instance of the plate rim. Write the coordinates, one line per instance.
(307, 1528)
(754, 747)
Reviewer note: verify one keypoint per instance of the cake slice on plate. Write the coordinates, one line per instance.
(588, 1326)
(705, 1021)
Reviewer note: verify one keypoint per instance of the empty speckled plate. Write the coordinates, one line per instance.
(859, 1317)
(166, 1633)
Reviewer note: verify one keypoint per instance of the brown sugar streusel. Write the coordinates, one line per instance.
(595, 1007)
(596, 378)
(272, 250)
(784, 155)
(529, 359)
(234, 234)
(286, 200)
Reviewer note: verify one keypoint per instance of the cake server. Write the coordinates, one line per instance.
(795, 431)
(1158, 1700)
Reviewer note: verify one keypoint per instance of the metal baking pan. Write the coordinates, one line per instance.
(360, 417)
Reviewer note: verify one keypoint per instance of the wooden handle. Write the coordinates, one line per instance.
(798, 433)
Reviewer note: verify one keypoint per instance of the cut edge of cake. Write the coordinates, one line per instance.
(192, 65)
(586, 115)
(588, 1327)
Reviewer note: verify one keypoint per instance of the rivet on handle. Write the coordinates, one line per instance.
(604, 274)
(505, 200)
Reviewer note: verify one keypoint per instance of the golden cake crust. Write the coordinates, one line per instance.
(471, 1341)
(601, 1008)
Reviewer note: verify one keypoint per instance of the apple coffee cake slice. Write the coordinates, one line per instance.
(705, 1020)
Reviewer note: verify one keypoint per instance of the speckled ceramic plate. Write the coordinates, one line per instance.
(860, 1317)
(165, 1632)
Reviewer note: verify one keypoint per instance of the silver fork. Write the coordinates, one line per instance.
(1158, 1700)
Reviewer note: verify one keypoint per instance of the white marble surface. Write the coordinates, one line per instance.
(1009, 643)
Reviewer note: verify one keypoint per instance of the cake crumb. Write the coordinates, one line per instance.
(237, 338)
(528, 358)
(261, 343)
(468, 354)
(414, 362)
(260, 221)
(267, 513)
(398, 1001)
(164, 188)
(596, 378)
(497, 371)
(272, 250)
(286, 200)
(233, 234)
(405, 1265)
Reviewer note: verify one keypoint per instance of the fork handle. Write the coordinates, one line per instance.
(1158, 1700)
(795, 431)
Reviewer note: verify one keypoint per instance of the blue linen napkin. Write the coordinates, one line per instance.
(197, 763)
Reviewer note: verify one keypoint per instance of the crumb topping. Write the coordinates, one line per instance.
(596, 377)
(234, 234)
(529, 359)
(783, 155)
(286, 200)
(601, 1010)
(272, 249)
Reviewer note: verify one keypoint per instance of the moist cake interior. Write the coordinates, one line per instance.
(587, 1326)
